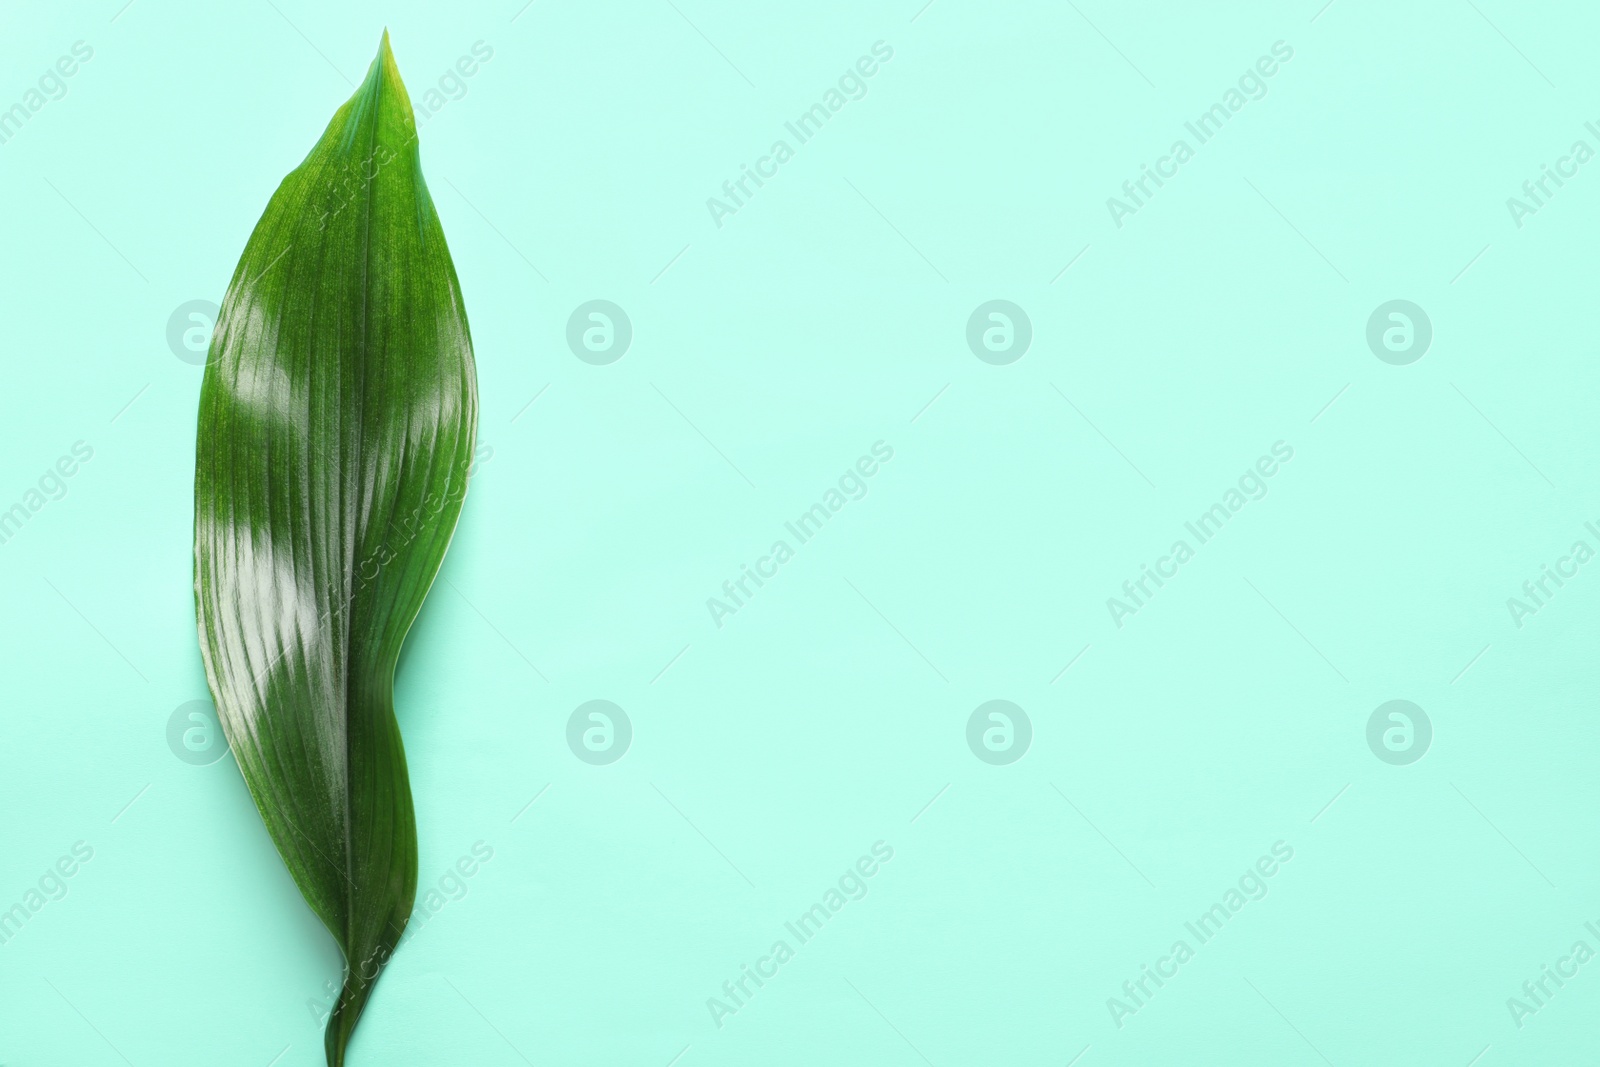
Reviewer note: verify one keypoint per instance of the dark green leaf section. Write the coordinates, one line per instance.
(337, 419)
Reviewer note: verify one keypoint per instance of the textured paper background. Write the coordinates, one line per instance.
(1146, 761)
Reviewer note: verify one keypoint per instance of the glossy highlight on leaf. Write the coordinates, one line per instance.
(337, 419)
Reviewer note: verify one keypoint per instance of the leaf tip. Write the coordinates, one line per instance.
(384, 64)
(383, 80)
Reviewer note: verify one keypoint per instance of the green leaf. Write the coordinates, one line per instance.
(337, 420)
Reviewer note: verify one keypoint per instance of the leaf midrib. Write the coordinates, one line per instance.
(379, 74)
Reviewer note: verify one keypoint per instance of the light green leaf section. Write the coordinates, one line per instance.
(336, 429)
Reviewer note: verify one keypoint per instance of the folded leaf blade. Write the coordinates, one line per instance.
(337, 419)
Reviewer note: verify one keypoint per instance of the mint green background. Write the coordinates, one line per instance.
(825, 715)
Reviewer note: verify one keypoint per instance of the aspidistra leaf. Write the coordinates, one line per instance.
(336, 430)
